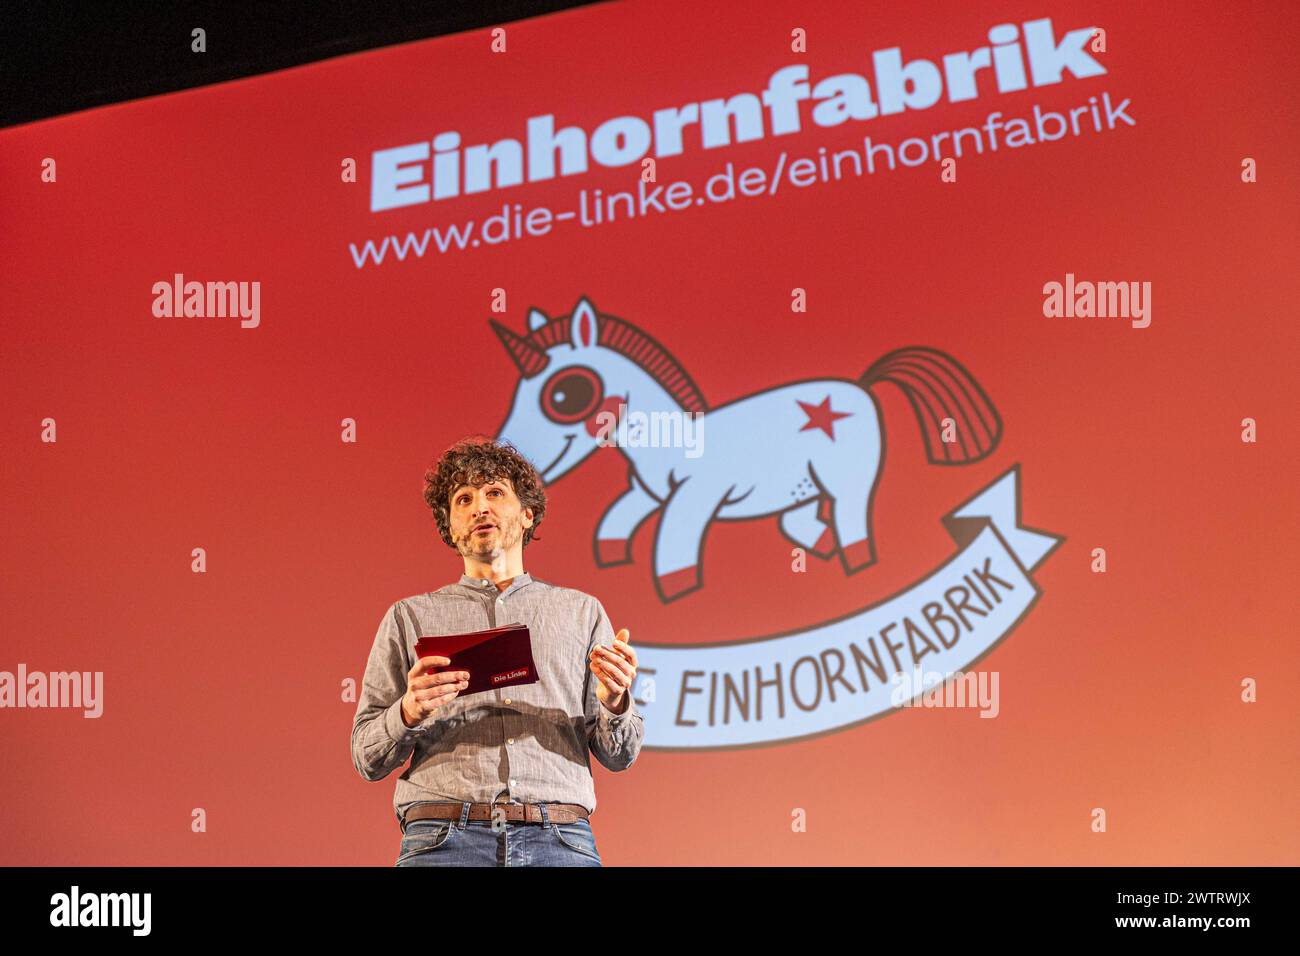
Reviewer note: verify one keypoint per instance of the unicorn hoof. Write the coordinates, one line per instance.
(857, 555)
(677, 583)
(612, 551)
(825, 545)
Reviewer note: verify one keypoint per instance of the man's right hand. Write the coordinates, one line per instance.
(425, 693)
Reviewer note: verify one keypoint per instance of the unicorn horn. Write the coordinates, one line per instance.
(528, 357)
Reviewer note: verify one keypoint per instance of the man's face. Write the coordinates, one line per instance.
(496, 505)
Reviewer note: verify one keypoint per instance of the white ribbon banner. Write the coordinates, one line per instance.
(843, 672)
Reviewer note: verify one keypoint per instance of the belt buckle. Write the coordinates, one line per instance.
(492, 810)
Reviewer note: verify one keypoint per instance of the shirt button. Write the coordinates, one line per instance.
(512, 783)
(511, 740)
(507, 700)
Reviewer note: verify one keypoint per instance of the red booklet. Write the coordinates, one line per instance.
(497, 657)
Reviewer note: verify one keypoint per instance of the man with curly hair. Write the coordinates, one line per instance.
(503, 777)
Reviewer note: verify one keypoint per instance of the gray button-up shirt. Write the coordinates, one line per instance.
(528, 743)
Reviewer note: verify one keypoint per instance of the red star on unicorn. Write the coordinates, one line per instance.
(821, 416)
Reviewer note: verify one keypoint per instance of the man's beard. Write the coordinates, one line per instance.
(489, 545)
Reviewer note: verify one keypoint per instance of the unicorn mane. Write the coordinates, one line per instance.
(630, 342)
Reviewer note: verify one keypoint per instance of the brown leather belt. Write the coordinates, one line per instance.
(515, 812)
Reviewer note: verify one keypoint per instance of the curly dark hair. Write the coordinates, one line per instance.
(476, 460)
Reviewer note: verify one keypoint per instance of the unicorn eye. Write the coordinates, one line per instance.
(572, 394)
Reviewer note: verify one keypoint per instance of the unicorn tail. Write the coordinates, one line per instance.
(940, 389)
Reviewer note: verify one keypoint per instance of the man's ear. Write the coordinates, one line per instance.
(528, 513)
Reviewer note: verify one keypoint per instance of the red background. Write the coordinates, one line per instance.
(222, 690)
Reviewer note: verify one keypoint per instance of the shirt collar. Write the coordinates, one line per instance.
(485, 584)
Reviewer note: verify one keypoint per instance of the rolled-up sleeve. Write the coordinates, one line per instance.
(381, 741)
(615, 739)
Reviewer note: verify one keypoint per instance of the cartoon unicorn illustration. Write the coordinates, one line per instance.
(807, 451)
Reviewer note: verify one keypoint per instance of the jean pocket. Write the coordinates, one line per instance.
(577, 837)
(424, 836)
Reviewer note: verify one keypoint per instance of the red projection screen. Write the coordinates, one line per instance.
(874, 287)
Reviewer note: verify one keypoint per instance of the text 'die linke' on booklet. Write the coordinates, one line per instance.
(497, 657)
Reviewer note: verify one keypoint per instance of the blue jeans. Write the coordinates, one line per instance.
(475, 843)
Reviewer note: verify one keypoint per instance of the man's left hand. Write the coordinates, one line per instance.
(616, 669)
